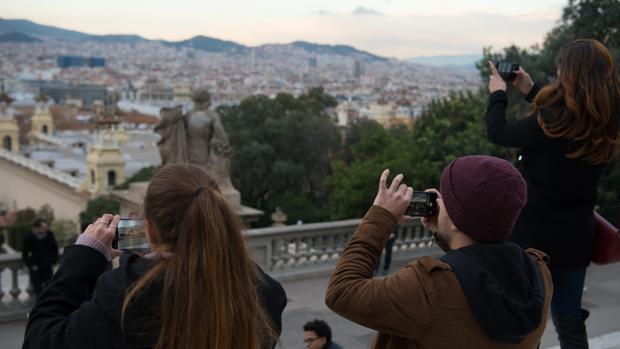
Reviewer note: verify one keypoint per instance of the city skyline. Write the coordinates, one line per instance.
(391, 28)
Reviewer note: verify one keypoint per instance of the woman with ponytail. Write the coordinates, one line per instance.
(197, 288)
(572, 134)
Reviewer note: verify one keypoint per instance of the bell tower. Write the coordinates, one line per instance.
(105, 162)
(42, 121)
(9, 131)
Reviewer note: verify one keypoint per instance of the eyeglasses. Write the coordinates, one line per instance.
(308, 341)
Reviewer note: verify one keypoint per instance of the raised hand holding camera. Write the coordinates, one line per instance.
(395, 198)
(523, 82)
(496, 82)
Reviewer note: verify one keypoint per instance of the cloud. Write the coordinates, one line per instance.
(364, 11)
(321, 13)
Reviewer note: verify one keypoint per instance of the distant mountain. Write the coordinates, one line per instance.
(45, 31)
(198, 42)
(448, 61)
(117, 38)
(341, 50)
(17, 37)
(33, 29)
(209, 44)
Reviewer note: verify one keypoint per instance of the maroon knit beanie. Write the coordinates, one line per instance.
(483, 196)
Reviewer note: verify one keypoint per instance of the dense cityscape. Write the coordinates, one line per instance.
(152, 74)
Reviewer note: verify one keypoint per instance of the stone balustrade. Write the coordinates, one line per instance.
(292, 252)
(41, 169)
(286, 253)
(15, 290)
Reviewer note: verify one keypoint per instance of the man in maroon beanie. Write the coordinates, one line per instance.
(484, 292)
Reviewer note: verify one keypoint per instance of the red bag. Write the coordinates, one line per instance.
(606, 242)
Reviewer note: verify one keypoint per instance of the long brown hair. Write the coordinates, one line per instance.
(584, 102)
(209, 298)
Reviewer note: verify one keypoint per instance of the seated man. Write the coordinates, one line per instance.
(484, 293)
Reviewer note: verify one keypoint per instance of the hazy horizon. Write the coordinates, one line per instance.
(391, 28)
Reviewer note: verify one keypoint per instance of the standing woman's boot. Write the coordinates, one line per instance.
(571, 330)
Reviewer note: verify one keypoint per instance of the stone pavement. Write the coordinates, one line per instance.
(306, 303)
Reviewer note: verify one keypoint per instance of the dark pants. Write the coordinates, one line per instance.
(40, 277)
(388, 256)
(568, 317)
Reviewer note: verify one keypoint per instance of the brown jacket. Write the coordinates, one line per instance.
(422, 305)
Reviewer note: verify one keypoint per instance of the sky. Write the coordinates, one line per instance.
(391, 28)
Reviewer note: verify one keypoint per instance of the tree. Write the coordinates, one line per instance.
(65, 231)
(97, 207)
(369, 150)
(46, 212)
(143, 175)
(448, 128)
(22, 226)
(281, 150)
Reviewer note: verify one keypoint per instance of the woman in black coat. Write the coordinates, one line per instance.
(197, 288)
(566, 143)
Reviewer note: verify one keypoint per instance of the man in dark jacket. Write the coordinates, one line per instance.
(484, 293)
(318, 335)
(40, 253)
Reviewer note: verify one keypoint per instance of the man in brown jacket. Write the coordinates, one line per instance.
(484, 293)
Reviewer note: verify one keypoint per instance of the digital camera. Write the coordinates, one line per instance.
(130, 235)
(508, 71)
(423, 204)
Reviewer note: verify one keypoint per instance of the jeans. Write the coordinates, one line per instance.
(568, 317)
(567, 292)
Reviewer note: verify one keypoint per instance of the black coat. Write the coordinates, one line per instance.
(40, 252)
(561, 192)
(81, 308)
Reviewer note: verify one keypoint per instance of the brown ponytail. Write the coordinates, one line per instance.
(208, 295)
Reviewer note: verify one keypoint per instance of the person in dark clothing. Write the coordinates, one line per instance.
(318, 335)
(2, 248)
(565, 144)
(197, 288)
(387, 261)
(40, 253)
(484, 293)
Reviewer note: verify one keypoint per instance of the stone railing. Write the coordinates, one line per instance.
(286, 253)
(15, 290)
(292, 252)
(47, 138)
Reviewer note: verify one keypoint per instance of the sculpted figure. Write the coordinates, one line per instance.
(199, 138)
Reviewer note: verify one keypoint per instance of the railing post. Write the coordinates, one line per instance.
(15, 290)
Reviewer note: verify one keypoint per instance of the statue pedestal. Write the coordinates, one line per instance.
(132, 199)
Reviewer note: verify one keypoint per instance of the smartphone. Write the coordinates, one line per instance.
(130, 235)
(423, 204)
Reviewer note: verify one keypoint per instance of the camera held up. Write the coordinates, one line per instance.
(508, 71)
